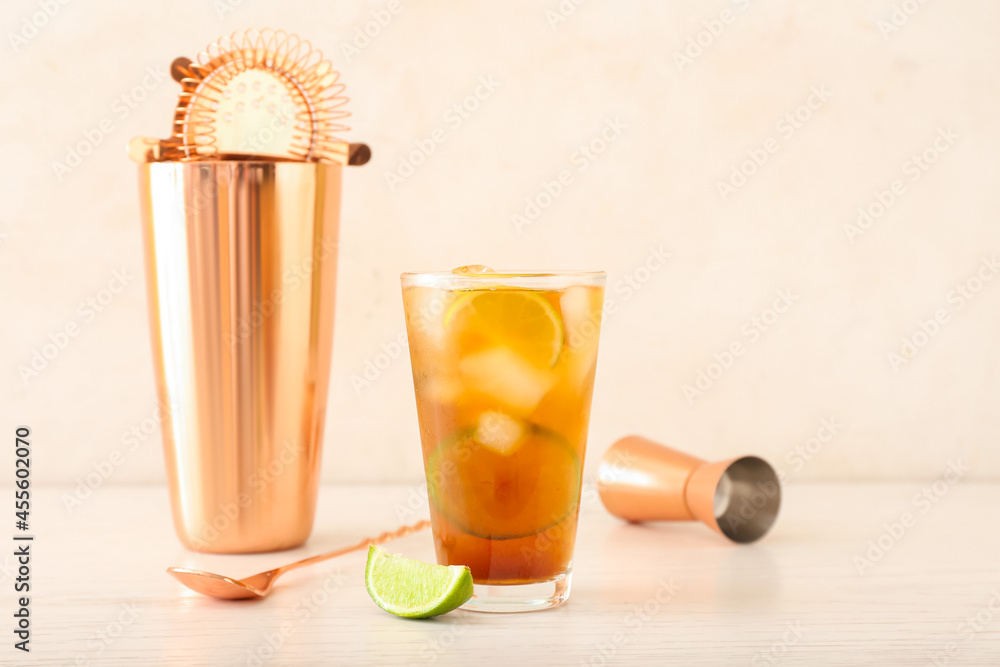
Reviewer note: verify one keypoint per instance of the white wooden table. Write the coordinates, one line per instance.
(658, 594)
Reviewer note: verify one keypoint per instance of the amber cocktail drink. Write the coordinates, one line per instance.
(503, 368)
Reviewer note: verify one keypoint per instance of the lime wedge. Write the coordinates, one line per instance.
(413, 589)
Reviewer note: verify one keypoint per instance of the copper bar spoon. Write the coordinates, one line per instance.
(259, 585)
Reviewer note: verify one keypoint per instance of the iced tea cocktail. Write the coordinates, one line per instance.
(503, 368)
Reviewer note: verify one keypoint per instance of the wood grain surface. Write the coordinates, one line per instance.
(642, 595)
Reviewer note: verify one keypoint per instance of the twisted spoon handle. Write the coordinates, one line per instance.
(382, 538)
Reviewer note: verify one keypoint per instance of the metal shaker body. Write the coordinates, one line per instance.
(241, 263)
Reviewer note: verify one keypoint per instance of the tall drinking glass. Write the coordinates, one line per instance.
(503, 369)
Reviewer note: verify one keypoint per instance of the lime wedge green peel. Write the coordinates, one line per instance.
(413, 589)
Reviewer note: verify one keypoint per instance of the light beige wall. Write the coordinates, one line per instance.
(683, 126)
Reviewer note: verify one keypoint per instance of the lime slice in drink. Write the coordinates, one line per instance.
(514, 485)
(413, 589)
(520, 320)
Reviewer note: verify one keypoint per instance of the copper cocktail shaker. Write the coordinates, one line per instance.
(240, 242)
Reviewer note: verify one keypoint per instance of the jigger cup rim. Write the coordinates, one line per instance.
(738, 498)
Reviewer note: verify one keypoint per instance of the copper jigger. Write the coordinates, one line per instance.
(641, 480)
(241, 263)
